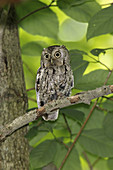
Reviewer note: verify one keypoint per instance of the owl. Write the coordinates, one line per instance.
(54, 78)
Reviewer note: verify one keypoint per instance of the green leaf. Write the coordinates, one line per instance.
(96, 142)
(76, 57)
(43, 22)
(78, 65)
(32, 49)
(74, 114)
(72, 160)
(97, 51)
(43, 154)
(76, 30)
(108, 104)
(101, 23)
(108, 125)
(110, 163)
(96, 120)
(93, 80)
(81, 10)
(35, 134)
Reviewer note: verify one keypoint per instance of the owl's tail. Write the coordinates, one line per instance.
(52, 117)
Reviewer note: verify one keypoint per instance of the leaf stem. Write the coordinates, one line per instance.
(110, 71)
(98, 61)
(88, 161)
(68, 128)
(32, 99)
(59, 141)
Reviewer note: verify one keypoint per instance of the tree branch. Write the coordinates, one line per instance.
(84, 97)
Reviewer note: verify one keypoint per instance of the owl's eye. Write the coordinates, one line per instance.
(57, 54)
(46, 55)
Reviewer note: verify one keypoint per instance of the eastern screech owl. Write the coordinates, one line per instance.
(54, 78)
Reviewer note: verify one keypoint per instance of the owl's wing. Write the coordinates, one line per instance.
(37, 85)
(72, 80)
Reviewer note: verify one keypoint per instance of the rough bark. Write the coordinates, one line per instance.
(13, 99)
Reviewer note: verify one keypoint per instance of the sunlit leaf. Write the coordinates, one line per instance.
(81, 10)
(101, 23)
(76, 30)
(35, 134)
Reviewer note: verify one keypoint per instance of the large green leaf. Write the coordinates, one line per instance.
(43, 22)
(96, 120)
(110, 163)
(78, 65)
(72, 162)
(101, 23)
(43, 154)
(108, 104)
(32, 49)
(96, 142)
(97, 51)
(74, 114)
(93, 80)
(108, 125)
(76, 30)
(81, 10)
(35, 134)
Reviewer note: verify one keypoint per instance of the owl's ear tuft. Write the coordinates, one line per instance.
(62, 46)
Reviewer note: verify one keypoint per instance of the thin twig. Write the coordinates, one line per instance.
(79, 133)
(108, 76)
(32, 99)
(94, 163)
(102, 109)
(39, 9)
(68, 128)
(59, 141)
(98, 61)
(30, 89)
(29, 68)
(88, 161)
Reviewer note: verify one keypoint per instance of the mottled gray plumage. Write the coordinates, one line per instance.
(54, 78)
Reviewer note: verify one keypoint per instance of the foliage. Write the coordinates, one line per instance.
(90, 64)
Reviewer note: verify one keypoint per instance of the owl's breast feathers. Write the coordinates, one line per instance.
(53, 83)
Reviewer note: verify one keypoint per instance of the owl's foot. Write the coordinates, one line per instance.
(52, 117)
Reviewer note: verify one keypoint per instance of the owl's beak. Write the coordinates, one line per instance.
(51, 61)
